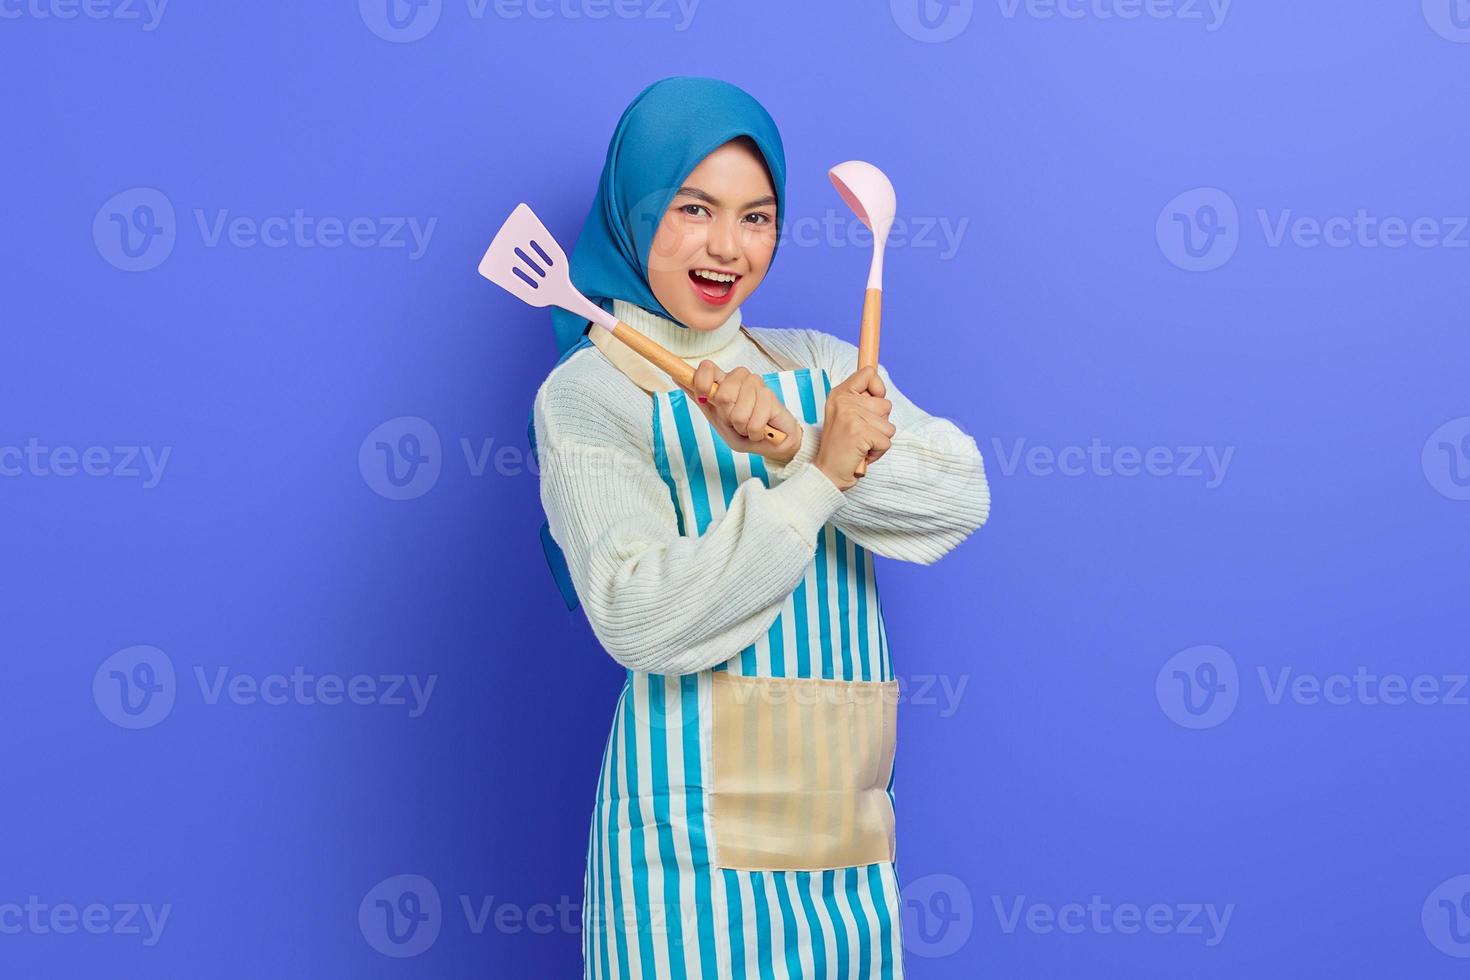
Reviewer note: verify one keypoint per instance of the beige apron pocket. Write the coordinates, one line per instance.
(799, 772)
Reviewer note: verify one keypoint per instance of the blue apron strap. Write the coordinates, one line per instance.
(559, 570)
(556, 559)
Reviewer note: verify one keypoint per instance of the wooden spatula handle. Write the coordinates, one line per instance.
(674, 367)
(868, 344)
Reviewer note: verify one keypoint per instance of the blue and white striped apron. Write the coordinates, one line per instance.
(656, 906)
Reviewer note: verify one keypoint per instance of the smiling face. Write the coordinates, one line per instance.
(714, 243)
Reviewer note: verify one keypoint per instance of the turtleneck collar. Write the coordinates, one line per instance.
(681, 340)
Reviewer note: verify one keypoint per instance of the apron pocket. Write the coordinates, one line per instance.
(799, 772)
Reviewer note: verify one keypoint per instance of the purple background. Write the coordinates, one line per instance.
(1068, 767)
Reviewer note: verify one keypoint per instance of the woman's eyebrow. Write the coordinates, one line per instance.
(700, 195)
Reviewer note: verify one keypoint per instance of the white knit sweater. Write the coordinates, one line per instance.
(670, 604)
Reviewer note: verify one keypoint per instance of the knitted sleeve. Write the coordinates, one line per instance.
(659, 601)
(926, 494)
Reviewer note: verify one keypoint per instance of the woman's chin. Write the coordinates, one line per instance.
(697, 319)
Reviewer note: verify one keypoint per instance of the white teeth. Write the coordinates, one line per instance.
(714, 276)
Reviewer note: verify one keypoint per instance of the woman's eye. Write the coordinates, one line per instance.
(759, 218)
(692, 209)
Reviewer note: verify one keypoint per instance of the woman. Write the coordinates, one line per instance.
(744, 815)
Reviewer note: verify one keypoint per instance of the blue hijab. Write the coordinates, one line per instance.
(662, 136)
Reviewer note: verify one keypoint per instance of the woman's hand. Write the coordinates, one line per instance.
(855, 428)
(742, 407)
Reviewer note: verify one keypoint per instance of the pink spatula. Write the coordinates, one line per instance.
(525, 261)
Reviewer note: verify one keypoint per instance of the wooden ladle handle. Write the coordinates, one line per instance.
(868, 344)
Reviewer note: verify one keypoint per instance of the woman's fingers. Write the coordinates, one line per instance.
(745, 401)
(865, 381)
(880, 421)
(879, 438)
(729, 389)
(708, 373)
(743, 407)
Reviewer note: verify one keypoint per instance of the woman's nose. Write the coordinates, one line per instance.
(724, 240)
